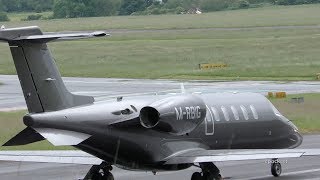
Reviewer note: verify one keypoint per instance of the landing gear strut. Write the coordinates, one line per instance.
(276, 168)
(100, 172)
(209, 172)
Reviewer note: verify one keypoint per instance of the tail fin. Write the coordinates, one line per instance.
(40, 79)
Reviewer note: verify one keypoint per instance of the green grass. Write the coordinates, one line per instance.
(250, 54)
(267, 16)
(255, 54)
(305, 116)
(11, 124)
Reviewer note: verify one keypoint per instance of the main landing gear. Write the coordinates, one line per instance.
(209, 172)
(276, 168)
(100, 172)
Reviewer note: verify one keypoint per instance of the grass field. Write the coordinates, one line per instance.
(304, 115)
(266, 16)
(186, 41)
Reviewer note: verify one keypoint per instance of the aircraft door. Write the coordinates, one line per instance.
(209, 123)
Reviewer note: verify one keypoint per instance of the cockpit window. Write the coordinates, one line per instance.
(275, 110)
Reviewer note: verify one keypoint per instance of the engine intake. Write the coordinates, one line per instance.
(149, 117)
(177, 115)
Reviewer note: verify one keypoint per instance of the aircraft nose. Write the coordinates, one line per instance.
(295, 137)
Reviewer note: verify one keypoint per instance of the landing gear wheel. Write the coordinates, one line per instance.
(108, 176)
(218, 177)
(276, 168)
(97, 176)
(196, 176)
(100, 172)
(209, 172)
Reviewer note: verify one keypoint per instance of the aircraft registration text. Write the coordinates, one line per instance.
(190, 113)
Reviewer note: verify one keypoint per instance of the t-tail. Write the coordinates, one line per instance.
(39, 76)
(41, 82)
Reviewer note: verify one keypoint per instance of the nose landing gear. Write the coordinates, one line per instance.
(209, 172)
(276, 168)
(100, 172)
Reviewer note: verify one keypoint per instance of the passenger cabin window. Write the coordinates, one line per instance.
(235, 113)
(244, 112)
(215, 114)
(225, 113)
(254, 112)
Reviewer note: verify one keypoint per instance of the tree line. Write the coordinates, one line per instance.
(89, 8)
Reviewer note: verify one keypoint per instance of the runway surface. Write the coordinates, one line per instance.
(11, 96)
(302, 168)
(293, 169)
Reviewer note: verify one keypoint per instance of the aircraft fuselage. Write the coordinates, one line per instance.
(232, 121)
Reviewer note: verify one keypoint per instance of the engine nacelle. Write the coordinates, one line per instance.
(177, 115)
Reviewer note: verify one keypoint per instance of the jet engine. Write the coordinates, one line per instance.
(176, 115)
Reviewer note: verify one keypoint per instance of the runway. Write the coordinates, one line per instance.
(302, 168)
(11, 96)
(293, 169)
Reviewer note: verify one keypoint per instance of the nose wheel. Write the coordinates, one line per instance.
(276, 168)
(209, 172)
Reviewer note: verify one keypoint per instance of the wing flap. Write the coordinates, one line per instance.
(63, 157)
(238, 155)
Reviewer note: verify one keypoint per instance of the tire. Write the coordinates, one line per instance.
(196, 176)
(276, 169)
(218, 177)
(97, 176)
(108, 176)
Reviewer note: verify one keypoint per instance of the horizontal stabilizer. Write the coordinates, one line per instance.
(33, 34)
(59, 137)
(27, 136)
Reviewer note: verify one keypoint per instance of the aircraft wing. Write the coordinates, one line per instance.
(198, 156)
(63, 157)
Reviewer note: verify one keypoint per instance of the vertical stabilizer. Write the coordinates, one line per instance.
(39, 77)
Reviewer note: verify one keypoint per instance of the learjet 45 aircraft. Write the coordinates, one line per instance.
(150, 133)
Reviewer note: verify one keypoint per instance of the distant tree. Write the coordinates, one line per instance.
(3, 16)
(130, 6)
(215, 5)
(85, 8)
(27, 5)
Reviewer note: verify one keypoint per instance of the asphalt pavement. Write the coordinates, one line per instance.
(11, 96)
(305, 168)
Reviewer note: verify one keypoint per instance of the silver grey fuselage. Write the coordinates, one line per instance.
(233, 121)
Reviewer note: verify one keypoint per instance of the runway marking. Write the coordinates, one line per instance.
(285, 174)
